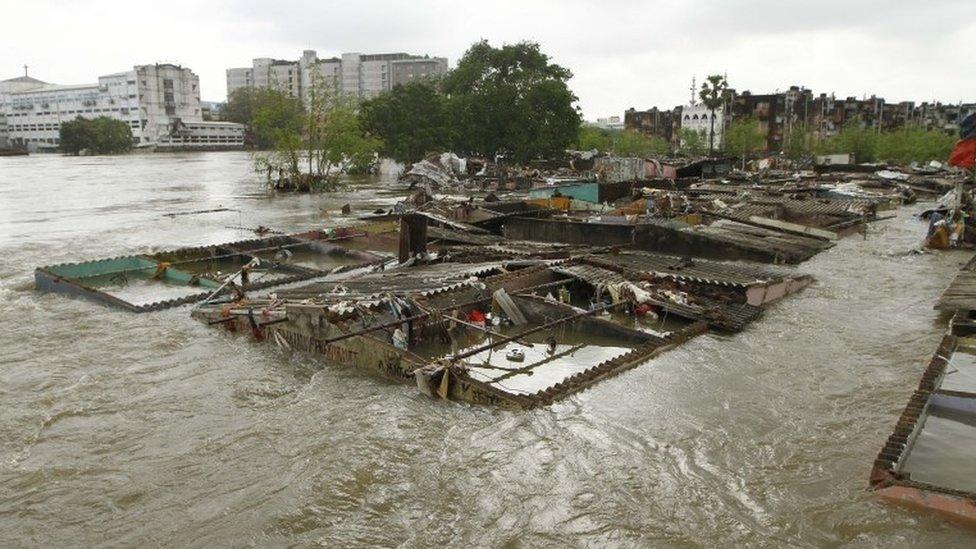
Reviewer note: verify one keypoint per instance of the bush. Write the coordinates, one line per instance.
(744, 137)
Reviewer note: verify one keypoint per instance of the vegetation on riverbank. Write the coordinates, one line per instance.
(102, 135)
(312, 147)
(510, 101)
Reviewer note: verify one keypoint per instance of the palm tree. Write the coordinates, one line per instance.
(712, 95)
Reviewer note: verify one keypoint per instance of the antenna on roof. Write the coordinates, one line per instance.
(25, 70)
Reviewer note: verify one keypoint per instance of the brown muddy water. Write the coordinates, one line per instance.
(142, 430)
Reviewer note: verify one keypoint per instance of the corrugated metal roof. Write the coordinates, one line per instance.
(422, 281)
(799, 247)
(960, 295)
(692, 269)
(725, 315)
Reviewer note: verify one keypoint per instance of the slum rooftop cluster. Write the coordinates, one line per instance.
(539, 283)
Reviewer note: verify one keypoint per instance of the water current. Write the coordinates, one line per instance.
(119, 429)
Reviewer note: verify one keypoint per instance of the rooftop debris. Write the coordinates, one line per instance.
(533, 285)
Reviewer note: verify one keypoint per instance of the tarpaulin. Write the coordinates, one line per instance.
(964, 154)
(967, 128)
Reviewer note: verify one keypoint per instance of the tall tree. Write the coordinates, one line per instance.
(277, 123)
(744, 137)
(318, 145)
(239, 106)
(334, 139)
(712, 95)
(411, 120)
(511, 100)
(253, 106)
(799, 142)
(75, 136)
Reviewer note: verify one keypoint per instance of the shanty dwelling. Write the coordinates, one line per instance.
(517, 333)
(434, 326)
(151, 282)
(721, 239)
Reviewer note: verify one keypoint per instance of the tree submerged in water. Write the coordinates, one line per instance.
(312, 151)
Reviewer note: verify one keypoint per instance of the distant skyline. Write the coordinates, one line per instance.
(623, 53)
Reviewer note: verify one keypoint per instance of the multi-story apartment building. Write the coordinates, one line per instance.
(610, 123)
(354, 73)
(797, 109)
(160, 103)
(655, 122)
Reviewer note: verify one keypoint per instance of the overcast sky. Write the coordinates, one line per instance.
(622, 53)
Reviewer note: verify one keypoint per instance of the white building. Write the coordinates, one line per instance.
(699, 118)
(362, 75)
(160, 103)
(610, 123)
(7, 87)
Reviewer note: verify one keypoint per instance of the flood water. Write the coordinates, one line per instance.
(122, 429)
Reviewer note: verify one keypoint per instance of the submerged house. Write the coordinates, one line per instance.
(515, 334)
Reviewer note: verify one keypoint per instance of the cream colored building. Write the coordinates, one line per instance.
(160, 103)
(363, 75)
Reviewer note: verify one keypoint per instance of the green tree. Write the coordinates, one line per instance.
(325, 137)
(692, 142)
(592, 137)
(511, 100)
(744, 137)
(277, 119)
(712, 95)
(111, 136)
(263, 111)
(75, 135)
(102, 135)
(854, 138)
(335, 142)
(632, 143)
(239, 106)
(799, 143)
(914, 143)
(411, 120)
